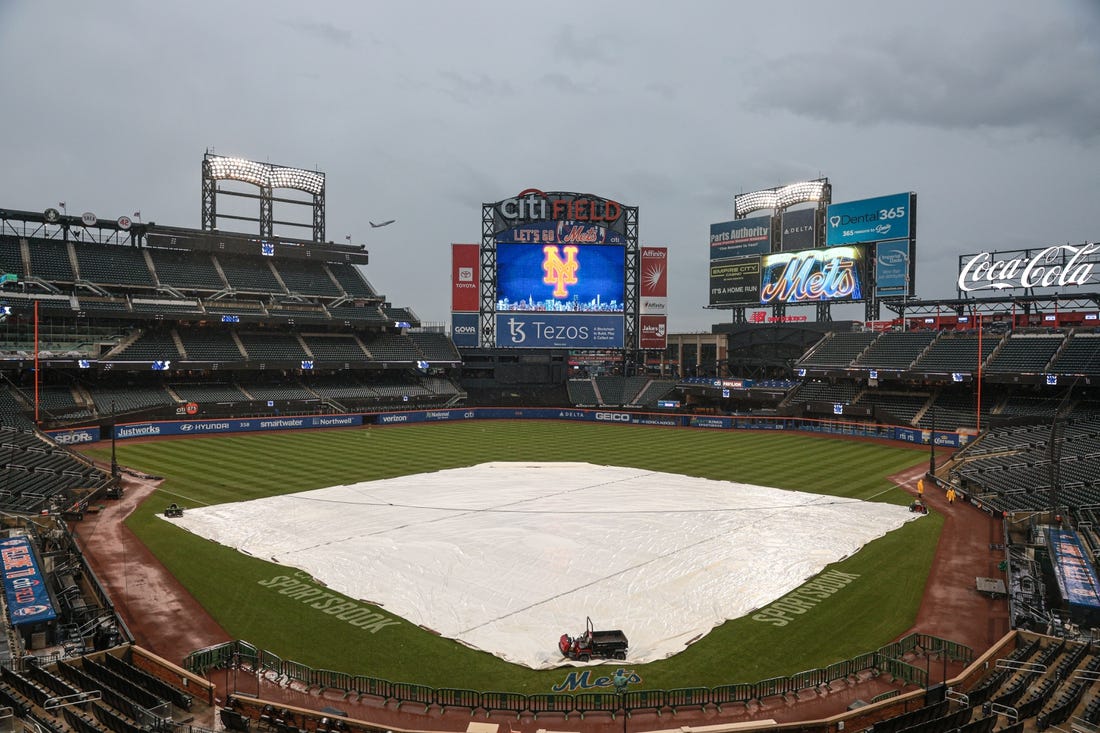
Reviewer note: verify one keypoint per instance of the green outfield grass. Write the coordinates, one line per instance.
(874, 609)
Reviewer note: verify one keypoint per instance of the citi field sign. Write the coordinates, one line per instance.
(1060, 266)
(532, 205)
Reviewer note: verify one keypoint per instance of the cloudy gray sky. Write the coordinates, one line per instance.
(421, 111)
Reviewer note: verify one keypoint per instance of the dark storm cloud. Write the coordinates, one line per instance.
(583, 46)
(475, 88)
(326, 32)
(1012, 71)
(422, 111)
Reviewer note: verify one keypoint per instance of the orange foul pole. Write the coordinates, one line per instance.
(979, 374)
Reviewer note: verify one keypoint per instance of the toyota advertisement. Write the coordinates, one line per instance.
(465, 262)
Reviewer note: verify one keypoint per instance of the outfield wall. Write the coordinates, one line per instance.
(169, 428)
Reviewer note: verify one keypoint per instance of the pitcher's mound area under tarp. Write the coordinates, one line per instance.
(506, 557)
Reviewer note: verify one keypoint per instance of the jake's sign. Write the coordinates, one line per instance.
(1060, 266)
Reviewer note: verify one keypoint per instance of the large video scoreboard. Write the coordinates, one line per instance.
(558, 269)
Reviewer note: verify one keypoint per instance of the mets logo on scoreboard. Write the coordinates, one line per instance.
(559, 272)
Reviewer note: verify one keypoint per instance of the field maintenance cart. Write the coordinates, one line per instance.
(593, 644)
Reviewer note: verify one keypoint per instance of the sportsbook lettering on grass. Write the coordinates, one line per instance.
(783, 611)
(350, 612)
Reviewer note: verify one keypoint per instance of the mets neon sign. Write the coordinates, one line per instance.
(812, 275)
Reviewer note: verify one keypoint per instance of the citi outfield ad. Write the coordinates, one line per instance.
(1058, 266)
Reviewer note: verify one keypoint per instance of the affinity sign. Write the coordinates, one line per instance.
(1061, 266)
(869, 220)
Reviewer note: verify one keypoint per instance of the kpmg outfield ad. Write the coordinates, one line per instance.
(558, 275)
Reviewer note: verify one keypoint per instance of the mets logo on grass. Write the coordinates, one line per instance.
(585, 680)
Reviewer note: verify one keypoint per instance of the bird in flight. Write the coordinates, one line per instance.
(385, 223)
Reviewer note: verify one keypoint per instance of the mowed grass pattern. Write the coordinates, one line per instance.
(880, 605)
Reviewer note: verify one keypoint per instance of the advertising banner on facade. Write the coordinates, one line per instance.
(654, 281)
(740, 238)
(74, 436)
(893, 268)
(1060, 267)
(465, 264)
(869, 220)
(735, 281)
(24, 587)
(541, 329)
(798, 230)
(464, 329)
(652, 332)
(203, 427)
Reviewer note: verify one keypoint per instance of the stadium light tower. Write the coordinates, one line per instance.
(782, 197)
(267, 178)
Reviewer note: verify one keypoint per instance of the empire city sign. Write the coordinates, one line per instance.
(1060, 266)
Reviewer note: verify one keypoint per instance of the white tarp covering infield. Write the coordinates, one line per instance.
(506, 557)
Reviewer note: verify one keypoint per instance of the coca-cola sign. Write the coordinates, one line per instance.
(1060, 266)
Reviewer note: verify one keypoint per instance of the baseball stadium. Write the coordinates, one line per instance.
(242, 490)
